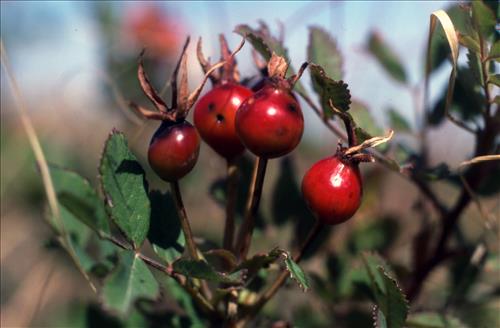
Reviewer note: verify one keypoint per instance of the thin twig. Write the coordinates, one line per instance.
(254, 194)
(186, 228)
(231, 196)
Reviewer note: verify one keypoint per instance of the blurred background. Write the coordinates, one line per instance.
(76, 64)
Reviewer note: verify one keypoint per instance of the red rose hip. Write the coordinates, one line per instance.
(270, 122)
(332, 189)
(174, 150)
(214, 117)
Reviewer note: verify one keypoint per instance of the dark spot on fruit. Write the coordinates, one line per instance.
(211, 107)
(292, 107)
(220, 118)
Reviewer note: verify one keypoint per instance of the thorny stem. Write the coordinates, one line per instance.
(186, 228)
(246, 229)
(273, 289)
(232, 190)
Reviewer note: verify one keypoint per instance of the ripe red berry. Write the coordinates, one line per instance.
(173, 150)
(332, 189)
(214, 117)
(270, 122)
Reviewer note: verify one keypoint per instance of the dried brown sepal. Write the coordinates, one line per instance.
(196, 93)
(370, 143)
(228, 68)
(183, 93)
(277, 66)
(149, 114)
(293, 79)
(173, 79)
(148, 88)
(205, 63)
(229, 71)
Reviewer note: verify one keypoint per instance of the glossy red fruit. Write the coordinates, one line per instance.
(173, 150)
(332, 189)
(214, 117)
(270, 122)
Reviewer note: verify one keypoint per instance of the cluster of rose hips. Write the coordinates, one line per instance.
(267, 120)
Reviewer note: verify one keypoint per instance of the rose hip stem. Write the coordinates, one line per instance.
(186, 228)
(232, 196)
(255, 192)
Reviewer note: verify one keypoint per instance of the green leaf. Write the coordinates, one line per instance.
(327, 89)
(474, 63)
(467, 101)
(263, 43)
(495, 51)
(388, 296)
(258, 261)
(366, 126)
(221, 259)
(480, 315)
(495, 79)
(377, 235)
(322, 50)
(165, 233)
(432, 320)
(79, 198)
(386, 57)
(202, 270)
(124, 184)
(397, 121)
(296, 272)
(483, 18)
(184, 300)
(469, 42)
(130, 281)
(78, 235)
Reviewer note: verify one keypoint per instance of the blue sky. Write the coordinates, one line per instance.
(60, 37)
